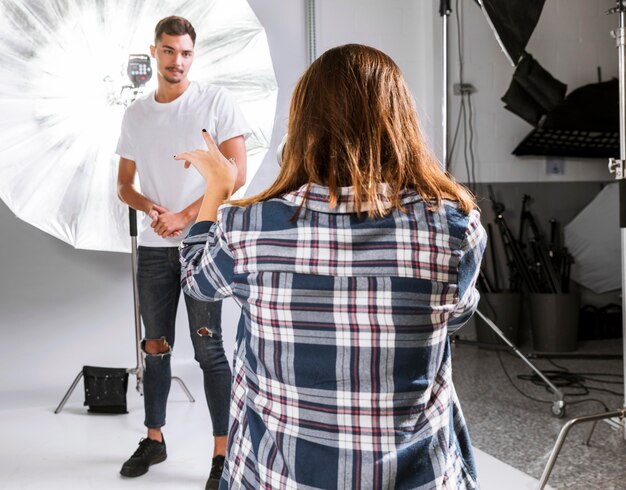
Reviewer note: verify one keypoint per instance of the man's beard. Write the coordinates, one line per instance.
(170, 79)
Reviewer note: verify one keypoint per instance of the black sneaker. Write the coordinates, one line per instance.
(148, 453)
(217, 466)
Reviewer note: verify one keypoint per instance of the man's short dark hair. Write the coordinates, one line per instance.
(174, 26)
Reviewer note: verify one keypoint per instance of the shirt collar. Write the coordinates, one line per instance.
(319, 198)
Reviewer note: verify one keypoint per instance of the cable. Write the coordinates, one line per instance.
(465, 149)
(576, 402)
(456, 133)
(561, 378)
(459, 26)
(458, 121)
(464, 114)
(587, 378)
(562, 368)
(515, 386)
(471, 139)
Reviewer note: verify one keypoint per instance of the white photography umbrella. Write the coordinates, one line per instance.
(64, 88)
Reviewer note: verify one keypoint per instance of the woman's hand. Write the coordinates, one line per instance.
(219, 172)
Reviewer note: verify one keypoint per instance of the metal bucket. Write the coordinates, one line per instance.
(554, 320)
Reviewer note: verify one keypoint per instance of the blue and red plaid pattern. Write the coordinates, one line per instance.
(342, 375)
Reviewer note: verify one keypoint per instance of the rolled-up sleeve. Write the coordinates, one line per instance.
(471, 251)
(207, 264)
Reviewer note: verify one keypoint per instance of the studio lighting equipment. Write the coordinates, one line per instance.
(139, 69)
(513, 21)
(65, 81)
(583, 125)
(513, 39)
(617, 166)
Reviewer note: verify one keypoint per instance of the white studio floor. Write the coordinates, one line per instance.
(78, 450)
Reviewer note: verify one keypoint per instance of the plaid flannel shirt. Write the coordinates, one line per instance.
(342, 375)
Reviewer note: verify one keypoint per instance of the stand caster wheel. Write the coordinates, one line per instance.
(558, 410)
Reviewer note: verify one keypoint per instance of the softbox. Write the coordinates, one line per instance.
(513, 22)
(533, 91)
(584, 125)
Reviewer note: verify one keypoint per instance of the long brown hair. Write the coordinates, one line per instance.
(352, 123)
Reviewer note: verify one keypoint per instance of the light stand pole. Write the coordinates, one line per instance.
(617, 167)
(444, 11)
(139, 368)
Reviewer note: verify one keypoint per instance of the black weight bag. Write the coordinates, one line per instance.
(105, 389)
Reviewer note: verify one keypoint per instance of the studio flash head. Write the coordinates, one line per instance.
(139, 69)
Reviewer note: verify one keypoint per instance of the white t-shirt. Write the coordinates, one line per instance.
(152, 133)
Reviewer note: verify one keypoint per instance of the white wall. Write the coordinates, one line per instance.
(407, 30)
(572, 38)
(62, 308)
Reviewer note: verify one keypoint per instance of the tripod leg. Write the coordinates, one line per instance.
(590, 433)
(138, 372)
(563, 434)
(69, 392)
(557, 393)
(184, 388)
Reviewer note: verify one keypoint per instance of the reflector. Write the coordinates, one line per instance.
(62, 97)
(593, 239)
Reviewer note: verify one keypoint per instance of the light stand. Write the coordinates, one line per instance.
(445, 9)
(616, 417)
(138, 370)
(139, 71)
(558, 405)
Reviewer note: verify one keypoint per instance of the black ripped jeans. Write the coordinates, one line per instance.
(158, 280)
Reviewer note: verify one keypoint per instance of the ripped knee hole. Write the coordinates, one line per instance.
(205, 332)
(156, 346)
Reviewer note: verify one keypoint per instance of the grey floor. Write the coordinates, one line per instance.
(522, 432)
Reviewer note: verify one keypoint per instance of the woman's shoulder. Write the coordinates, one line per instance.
(271, 214)
(447, 216)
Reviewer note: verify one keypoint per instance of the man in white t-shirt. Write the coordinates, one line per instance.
(156, 127)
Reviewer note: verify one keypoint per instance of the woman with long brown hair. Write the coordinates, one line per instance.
(351, 270)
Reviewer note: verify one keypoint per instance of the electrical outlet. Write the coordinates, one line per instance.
(555, 166)
(463, 88)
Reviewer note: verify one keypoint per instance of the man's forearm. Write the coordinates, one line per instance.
(190, 213)
(236, 148)
(134, 199)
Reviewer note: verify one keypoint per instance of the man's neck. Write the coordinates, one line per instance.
(168, 92)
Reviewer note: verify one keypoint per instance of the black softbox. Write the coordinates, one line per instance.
(584, 125)
(513, 22)
(533, 91)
